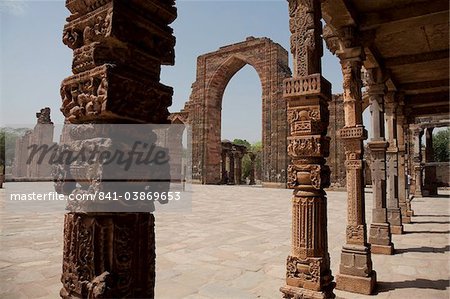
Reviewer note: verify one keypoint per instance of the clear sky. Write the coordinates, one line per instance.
(33, 59)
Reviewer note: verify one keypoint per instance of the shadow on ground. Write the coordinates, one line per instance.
(423, 249)
(441, 284)
(428, 232)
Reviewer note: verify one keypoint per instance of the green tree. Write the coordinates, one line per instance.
(8, 138)
(441, 146)
(242, 142)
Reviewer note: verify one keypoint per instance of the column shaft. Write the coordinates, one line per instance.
(224, 167)
(356, 273)
(232, 168)
(393, 208)
(430, 185)
(307, 95)
(379, 233)
(417, 161)
(402, 175)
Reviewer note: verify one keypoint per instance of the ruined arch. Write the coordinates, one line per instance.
(203, 110)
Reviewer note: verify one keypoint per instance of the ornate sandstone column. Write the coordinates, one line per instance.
(237, 167)
(356, 273)
(231, 173)
(394, 214)
(417, 133)
(430, 185)
(118, 50)
(224, 166)
(252, 168)
(380, 233)
(402, 181)
(307, 94)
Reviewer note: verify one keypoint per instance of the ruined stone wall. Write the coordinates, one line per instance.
(214, 71)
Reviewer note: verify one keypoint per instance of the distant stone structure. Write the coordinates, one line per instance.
(231, 163)
(41, 135)
(203, 110)
(221, 66)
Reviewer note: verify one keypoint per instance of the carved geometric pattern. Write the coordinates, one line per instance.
(309, 85)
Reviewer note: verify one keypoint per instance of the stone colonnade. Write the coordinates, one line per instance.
(41, 135)
(231, 163)
(308, 274)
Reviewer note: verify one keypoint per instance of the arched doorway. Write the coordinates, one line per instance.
(214, 71)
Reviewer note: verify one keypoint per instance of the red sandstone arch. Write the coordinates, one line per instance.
(214, 71)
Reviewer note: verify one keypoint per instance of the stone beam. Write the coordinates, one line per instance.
(400, 13)
(425, 98)
(424, 87)
(428, 110)
(415, 58)
(400, 25)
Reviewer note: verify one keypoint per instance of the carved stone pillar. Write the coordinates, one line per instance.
(231, 173)
(307, 94)
(430, 185)
(252, 168)
(417, 160)
(393, 208)
(379, 233)
(237, 168)
(224, 167)
(402, 180)
(118, 52)
(409, 167)
(356, 273)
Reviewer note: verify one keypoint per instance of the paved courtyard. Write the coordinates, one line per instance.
(233, 244)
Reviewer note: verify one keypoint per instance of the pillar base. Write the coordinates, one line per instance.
(356, 284)
(382, 249)
(290, 292)
(406, 218)
(394, 217)
(397, 229)
(380, 239)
